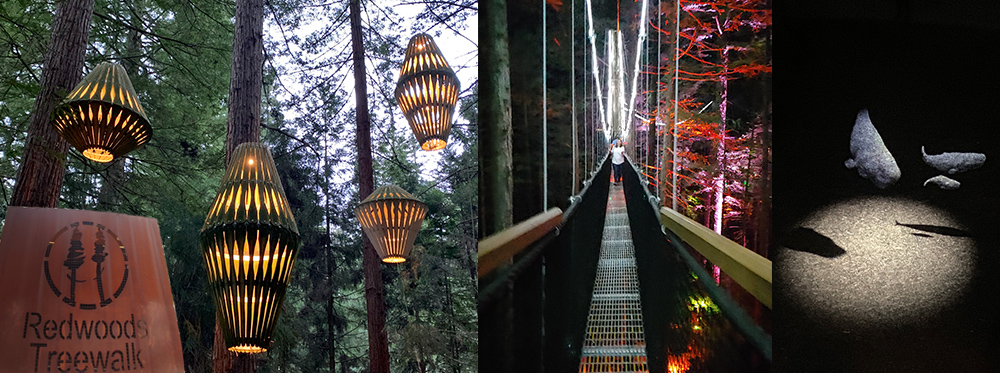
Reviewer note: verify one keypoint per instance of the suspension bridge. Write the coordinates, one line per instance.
(621, 281)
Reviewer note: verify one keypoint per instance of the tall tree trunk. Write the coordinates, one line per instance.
(378, 343)
(764, 195)
(331, 331)
(242, 125)
(720, 179)
(110, 197)
(243, 119)
(40, 176)
(330, 265)
(650, 134)
(495, 141)
(456, 366)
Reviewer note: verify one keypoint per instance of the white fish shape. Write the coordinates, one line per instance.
(869, 154)
(953, 163)
(943, 182)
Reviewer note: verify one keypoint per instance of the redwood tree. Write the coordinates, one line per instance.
(495, 141)
(378, 343)
(40, 176)
(243, 125)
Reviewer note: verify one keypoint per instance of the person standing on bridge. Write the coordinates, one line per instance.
(617, 158)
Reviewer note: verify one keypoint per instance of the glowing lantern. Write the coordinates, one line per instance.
(427, 92)
(250, 241)
(102, 117)
(391, 218)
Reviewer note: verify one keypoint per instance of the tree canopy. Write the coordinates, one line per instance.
(177, 54)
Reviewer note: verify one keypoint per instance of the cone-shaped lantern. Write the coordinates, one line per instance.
(427, 92)
(391, 218)
(102, 117)
(249, 241)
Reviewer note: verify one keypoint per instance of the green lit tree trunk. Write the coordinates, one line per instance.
(243, 125)
(495, 113)
(40, 176)
(378, 343)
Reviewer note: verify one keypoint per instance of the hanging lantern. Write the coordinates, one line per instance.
(102, 117)
(391, 218)
(427, 92)
(249, 240)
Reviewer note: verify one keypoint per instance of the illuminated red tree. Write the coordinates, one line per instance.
(719, 41)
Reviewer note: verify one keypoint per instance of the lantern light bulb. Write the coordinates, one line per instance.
(250, 161)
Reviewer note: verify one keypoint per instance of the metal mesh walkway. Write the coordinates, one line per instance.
(615, 340)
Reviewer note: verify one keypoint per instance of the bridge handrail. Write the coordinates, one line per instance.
(749, 269)
(503, 246)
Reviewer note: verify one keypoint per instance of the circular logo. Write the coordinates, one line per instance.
(81, 268)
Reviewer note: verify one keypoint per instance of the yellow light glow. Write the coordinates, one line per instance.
(245, 258)
(250, 161)
(433, 144)
(98, 155)
(394, 259)
(247, 349)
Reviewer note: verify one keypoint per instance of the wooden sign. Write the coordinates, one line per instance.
(85, 291)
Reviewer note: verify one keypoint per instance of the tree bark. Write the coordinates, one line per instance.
(246, 79)
(495, 113)
(720, 179)
(330, 265)
(109, 198)
(40, 176)
(242, 125)
(378, 343)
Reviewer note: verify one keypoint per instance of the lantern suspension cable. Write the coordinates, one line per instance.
(639, 44)
(597, 74)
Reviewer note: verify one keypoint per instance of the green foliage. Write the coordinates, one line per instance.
(178, 58)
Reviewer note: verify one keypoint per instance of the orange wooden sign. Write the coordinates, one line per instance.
(85, 291)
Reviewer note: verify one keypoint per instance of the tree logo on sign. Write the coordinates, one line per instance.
(79, 274)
